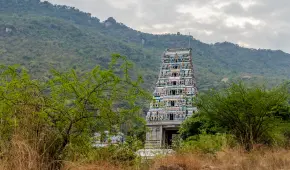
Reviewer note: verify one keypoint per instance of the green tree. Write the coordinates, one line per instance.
(59, 117)
(252, 115)
(20, 98)
(100, 100)
(199, 124)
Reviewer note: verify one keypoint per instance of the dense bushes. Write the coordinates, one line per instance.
(208, 143)
(253, 115)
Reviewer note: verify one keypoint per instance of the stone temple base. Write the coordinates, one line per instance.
(160, 136)
(151, 153)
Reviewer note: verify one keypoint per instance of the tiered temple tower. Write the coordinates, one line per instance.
(172, 99)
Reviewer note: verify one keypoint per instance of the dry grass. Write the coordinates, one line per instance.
(101, 165)
(232, 159)
(23, 157)
(264, 159)
(94, 166)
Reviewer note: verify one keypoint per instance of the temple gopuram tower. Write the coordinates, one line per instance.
(172, 99)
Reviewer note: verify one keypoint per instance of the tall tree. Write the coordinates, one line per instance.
(251, 114)
(63, 114)
(103, 99)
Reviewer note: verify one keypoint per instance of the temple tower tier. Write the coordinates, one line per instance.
(172, 99)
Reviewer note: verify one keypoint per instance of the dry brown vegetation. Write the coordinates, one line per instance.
(93, 166)
(232, 159)
(23, 157)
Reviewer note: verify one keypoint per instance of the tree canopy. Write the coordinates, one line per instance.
(252, 114)
(65, 112)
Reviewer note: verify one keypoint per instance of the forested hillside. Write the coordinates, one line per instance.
(41, 36)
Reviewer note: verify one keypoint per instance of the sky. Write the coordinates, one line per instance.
(249, 23)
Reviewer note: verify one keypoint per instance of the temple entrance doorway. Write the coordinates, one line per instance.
(169, 136)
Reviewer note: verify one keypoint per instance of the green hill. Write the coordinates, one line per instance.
(41, 36)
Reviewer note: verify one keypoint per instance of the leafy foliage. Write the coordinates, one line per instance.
(252, 115)
(60, 116)
(199, 124)
(208, 143)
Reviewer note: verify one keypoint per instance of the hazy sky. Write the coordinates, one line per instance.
(250, 23)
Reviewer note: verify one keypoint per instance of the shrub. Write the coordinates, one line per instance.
(123, 154)
(208, 143)
(252, 114)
